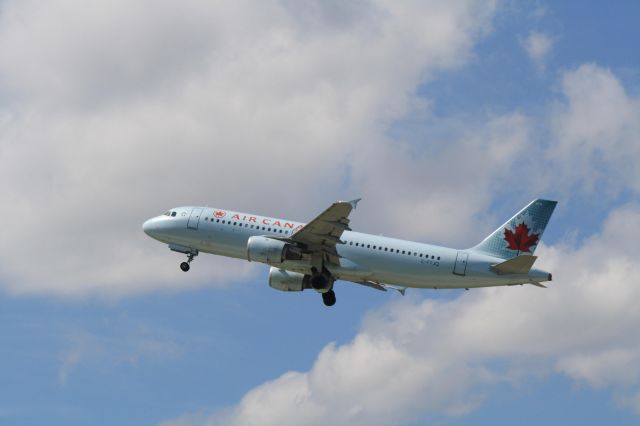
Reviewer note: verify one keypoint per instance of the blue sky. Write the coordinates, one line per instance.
(111, 114)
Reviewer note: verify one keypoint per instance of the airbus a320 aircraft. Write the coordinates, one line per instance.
(316, 254)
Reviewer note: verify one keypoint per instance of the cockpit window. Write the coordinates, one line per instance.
(173, 214)
(167, 213)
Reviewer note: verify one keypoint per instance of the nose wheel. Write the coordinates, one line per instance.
(185, 265)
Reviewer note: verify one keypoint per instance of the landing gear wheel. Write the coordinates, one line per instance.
(329, 298)
(185, 265)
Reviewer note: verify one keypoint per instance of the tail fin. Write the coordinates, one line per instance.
(520, 234)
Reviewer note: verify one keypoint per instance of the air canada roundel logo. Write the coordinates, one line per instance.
(219, 213)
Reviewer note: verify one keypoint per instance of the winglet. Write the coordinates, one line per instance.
(354, 203)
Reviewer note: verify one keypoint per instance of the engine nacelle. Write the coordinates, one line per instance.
(284, 280)
(269, 250)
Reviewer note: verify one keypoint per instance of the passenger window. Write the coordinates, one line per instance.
(438, 257)
(368, 245)
(269, 229)
(217, 220)
(385, 249)
(402, 251)
(357, 244)
(420, 254)
(374, 247)
(433, 257)
(409, 253)
(350, 243)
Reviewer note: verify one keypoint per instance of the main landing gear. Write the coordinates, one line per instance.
(329, 298)
(185, 265)
(323, 281)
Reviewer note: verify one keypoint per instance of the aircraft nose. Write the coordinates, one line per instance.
(148, 227)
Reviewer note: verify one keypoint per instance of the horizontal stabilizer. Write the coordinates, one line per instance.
(517, 265)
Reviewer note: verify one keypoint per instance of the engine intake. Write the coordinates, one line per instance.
(269, 250)
(283, 280)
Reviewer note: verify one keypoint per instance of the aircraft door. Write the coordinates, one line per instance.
(460, 267)
(194, 219)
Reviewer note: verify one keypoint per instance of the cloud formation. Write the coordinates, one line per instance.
(594, 130)
(120, 110)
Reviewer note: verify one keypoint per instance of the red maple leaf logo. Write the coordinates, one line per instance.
(520, 239)
(219, 213)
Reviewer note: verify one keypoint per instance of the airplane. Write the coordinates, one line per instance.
(317, 254)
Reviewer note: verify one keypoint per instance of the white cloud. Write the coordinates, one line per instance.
(594, 134)
(441, 187)
(538, 46)
(414, 358)
(118, 110)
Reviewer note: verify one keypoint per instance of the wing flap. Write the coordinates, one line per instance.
(381, 286)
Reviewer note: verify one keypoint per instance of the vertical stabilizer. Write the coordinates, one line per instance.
(520, 234)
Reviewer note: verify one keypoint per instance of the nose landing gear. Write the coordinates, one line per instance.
(185, 265)
(190, 252)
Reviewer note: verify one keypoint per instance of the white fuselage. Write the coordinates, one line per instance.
(363, 257)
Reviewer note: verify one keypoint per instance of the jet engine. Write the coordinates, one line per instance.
(269, 250)
(283, 280)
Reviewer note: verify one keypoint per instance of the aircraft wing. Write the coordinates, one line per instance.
(324, 232)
